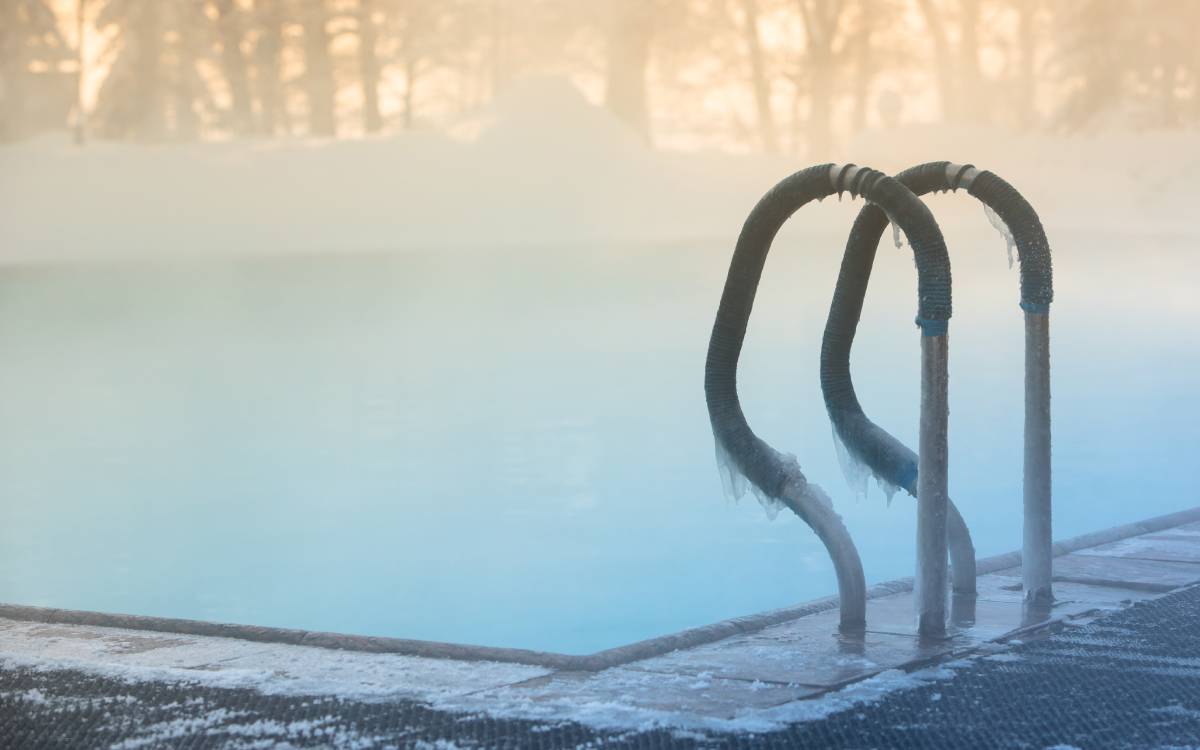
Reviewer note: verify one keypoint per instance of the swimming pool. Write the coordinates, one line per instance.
(512, 448)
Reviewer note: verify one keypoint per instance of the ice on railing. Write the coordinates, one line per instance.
(899, 238)
(855, 471)
(858, 474)
(815, 492)
(995, 220)
(735, 484)
(733, 481)
(889, 490)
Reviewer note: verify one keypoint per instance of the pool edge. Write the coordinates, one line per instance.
(604, 659)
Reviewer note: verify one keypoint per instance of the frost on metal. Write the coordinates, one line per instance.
(995, 220)
(735, 483)
(899, 238)
(814, 492)
(858, 474)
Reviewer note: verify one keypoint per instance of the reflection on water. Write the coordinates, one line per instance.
(513, 450)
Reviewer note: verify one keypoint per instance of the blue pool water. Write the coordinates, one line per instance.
(512, 448)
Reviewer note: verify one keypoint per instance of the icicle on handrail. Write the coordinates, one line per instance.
(774, 475)
(1012, 215)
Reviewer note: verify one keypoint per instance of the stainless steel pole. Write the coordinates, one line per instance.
(809, 502)
(1037, 548)
(932, 488)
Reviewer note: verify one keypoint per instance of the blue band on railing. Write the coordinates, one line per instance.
(933, 327)
(1036, 307)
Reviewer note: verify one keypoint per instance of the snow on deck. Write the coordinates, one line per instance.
(752, 681)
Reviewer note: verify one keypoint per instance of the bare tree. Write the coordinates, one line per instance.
(231, 33)
(154, 88)
(1090, 48)
(822, 19)
(942, 58)
(267, 20)
(368, 65)
(1027, 60)
(760, 82)
(871, 50)
(414, 38)
(318, 69)
(1170, 64)
(29, 35)
(973, 102)
(627, 56)
(956, 64)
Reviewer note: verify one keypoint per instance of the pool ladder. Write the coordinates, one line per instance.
(940, 527)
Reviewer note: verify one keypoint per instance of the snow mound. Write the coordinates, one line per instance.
(542, 113)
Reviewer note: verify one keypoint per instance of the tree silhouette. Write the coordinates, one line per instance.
(29, 36)
(154, 89)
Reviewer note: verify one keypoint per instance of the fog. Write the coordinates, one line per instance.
(431, 367)
(779, 76)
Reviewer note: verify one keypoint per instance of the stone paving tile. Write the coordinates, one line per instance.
(808, 651)
(1108, 570)
(1126, 680)
(1183, 547)
(970, 619)
(233, 661)
(703, 694)
(800, 653)
(1076, 597)
(1175, 535)
(123, 646)
(995, 619)
(1091, 568)
(979, 619)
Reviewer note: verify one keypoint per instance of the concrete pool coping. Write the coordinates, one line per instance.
(608, 658)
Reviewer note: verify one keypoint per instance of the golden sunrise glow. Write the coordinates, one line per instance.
(777, 75)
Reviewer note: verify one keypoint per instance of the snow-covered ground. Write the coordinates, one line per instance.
(612, 699)
(543, 167)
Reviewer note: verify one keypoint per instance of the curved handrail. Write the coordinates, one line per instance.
(775, 475)
(879, 450)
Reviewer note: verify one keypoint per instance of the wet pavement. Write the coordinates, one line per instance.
(1114, 663)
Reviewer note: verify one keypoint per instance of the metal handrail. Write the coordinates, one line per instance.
(885, 455)
(779, 478)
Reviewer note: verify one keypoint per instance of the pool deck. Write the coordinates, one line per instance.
(750, 675)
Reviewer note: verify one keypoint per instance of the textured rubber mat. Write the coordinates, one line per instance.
(1129, 680)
